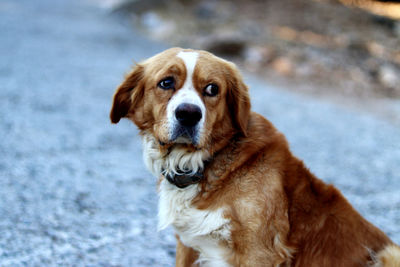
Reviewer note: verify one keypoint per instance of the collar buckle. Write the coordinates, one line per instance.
(184, 179)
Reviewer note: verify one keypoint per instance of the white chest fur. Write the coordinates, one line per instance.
(200, 229)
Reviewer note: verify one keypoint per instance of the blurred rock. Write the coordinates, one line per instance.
(156, 26)
(358, 76)
(384, 21)
(283, 66)
(396, 29)
(138, 6)
(151, 20)
(229, 44)
(217, 12)
(250, 29)
(257, 56)
(388, 76)
(358, 48)
(206, 10)
(110, 4)
(376, 49)
(253, 58)
(305, 69)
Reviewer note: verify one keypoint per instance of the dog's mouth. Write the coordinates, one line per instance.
(185, 135)
(181, 136)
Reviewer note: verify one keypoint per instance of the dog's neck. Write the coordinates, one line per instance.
(177, 162)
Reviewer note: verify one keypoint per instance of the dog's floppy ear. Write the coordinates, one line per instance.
(128, 94)
(238, 101)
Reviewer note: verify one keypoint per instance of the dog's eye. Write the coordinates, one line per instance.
(211, 90)
(167, 83)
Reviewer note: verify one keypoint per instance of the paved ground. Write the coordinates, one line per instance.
(73, 189)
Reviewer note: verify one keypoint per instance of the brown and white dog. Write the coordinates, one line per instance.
(229, 185)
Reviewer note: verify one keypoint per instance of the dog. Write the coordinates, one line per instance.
(229, 185)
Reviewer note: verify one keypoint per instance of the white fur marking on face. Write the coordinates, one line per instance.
(187, 94)
(190, 59)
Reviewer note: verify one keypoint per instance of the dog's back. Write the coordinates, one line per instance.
(326, 230)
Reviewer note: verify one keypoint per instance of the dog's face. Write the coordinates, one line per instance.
(184, 97)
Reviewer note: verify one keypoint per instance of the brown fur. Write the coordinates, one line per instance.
(280, 213)
(185, 256)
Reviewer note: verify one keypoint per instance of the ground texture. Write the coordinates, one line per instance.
(73, 189)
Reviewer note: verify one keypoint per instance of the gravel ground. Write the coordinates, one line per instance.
(73, 189)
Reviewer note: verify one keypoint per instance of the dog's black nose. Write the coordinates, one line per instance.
(188, 114)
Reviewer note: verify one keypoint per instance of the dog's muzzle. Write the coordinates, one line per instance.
(187, 117)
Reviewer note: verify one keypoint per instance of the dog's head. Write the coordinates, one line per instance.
(186, 97)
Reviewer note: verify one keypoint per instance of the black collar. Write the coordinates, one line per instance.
(184, 178)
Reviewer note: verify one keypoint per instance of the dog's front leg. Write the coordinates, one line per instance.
(185, 256)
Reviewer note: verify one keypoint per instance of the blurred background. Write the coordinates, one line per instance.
(73, 188)
(328, 48)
